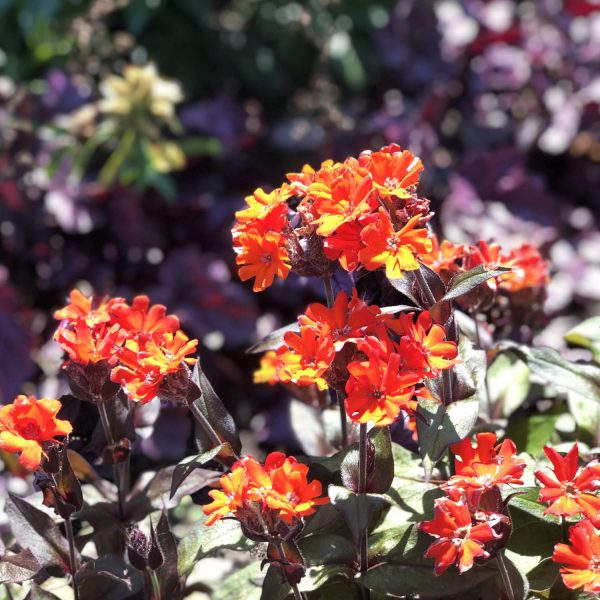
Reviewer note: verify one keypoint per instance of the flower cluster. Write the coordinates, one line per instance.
(529, 271)
(27, 425)
(470, 523)
(377, 360)
(139, 346)
(361, 212)
(572, 490)
(268, 499)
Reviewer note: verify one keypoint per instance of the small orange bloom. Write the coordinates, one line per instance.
(529, 269)
(444, 259)
(85, 345)
(377, 390)
(459, 540)
(581, 558)
(306, 357)
(279, 490)
(570, 490)
(397, 250)
(345, 243)
(393, 170)
(144, 320)
(269, 208)
(26, 424)
(262, 256)
(483, 466)
(81, 307)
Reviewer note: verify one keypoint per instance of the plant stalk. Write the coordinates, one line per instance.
(203, 422)
(505, 576)
(120, 470)
(295, 590)
(363, 544)
(72, 555)
(156, 595)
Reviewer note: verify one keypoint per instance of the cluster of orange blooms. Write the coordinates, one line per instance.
(379, 361)
(528, 269)
(262, 496)
(140, 343)
(363, 211)
(463, 523)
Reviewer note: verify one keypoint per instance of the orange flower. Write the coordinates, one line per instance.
(306, 357)
(262, 256)
(529, 269)
(85, 345)
(397, 250)
(81, 307)
(269, 367)
(144, 366)
(483, 466)
(459, 540)
(423, 344)
(568, 488)
(378, 391)
(393, 170)
(348, 320)
(347, 198)
(26, 424)
(144, 320)
(444, 259)
(581, 558)
(269, 208)
(346, 243)
(279, 490)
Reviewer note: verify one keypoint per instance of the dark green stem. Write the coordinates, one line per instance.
(363, 544)
(72, 555)
(295, 590)
(505, 576)
(156, 595)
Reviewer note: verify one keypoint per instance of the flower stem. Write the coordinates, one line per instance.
(156, 595)
(337, 397)
(505, 576)
(363, 543)
(281, 550)
(204, 423)
(488, 394)
(72, 554)
(425, 289)
(120, 470)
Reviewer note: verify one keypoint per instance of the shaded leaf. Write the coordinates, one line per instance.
(466, 282)
(273, 340)
(15, 568)
(586, 335)
(187, 466)
(244, 584)
(508, 380)
(531, 434)
(168, 577)
(518, 580)
(440, 426)
(37, 532)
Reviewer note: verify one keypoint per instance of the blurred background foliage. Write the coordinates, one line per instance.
(500, 99)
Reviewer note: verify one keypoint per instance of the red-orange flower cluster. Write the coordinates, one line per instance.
(529, 271)
(465, 525)
(379, 361)
(140, 342)
(361, 212)
(26, 424)
(261, 496)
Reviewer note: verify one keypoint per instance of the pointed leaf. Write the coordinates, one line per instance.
(243, 584)
(37, 532)
(273, 340)
(15, 568)
(466, 282)
(586, 335)
(168, 576)
(188, 465)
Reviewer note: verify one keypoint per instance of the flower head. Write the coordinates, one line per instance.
(254, 493)
(459, 539)
(26, 424)
(569, 489)
(82, 307)
(581, 559)
(91, 345)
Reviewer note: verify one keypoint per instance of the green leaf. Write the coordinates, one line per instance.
(527, 502)
(356, 509)
(586, 335)
(200, 540)
(327, 549)
(188, 465)
(466, 282)
(508, 381)
(518, 580)
(440, 426)
(214, 411)
(552, 367)
(244, 584)
(543, 576)
(533, 433)
(37, 532)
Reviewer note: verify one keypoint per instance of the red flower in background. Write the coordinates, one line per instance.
(581, 559)
(280, 489)
(26, 424)
(459, 540)
(568, 488)
(483, 466)
(141, 319)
